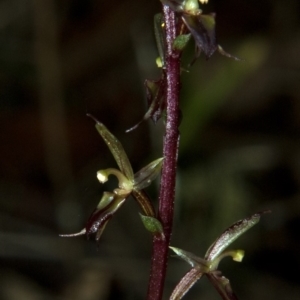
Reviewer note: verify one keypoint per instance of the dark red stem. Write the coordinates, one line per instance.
(170, 151)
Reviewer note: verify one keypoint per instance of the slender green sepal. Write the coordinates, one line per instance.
(230, 235)
(115, 148)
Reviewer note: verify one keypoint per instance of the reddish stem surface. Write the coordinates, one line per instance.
(170, 151)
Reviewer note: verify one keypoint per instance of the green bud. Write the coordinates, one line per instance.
(181, 41)
(152, 225)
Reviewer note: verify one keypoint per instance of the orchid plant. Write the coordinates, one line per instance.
(180, 21)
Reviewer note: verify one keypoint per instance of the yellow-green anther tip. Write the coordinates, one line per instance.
(239, 255)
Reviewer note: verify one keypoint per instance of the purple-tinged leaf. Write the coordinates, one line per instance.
(146, 175)
(230, 235)
(115, 148)
(187, 281)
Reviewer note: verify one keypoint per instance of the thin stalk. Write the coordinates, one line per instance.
(170, 151)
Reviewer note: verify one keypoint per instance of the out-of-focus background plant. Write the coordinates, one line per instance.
(239, 153)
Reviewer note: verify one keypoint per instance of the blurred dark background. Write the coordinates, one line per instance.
(239, 153)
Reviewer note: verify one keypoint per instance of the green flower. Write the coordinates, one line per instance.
(209, 264)
(128, 184)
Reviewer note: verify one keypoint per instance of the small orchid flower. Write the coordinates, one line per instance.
(128, 184)
(209, 264)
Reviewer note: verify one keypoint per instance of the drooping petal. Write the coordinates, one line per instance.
(105, 210)
(146, 175)
(231, 234)
(115, 148)
(187, 281)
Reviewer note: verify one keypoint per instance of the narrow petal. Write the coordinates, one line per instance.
(146, 175)
(231, 234)
(187, 281)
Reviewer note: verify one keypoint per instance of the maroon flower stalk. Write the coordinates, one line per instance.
(170, 150)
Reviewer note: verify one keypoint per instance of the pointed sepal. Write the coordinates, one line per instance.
(115, 148)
